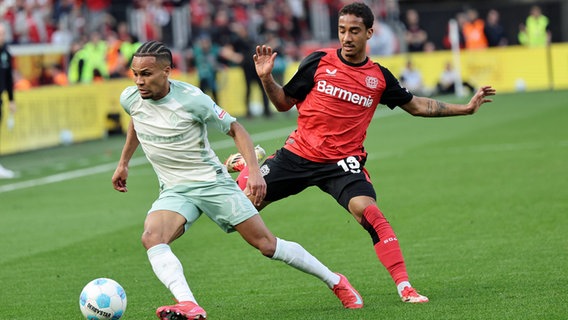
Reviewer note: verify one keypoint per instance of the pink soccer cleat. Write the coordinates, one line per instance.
(186, 310)
(350, 298)
(236, 162)
(410, 295)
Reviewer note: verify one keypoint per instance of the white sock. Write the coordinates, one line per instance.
(169, 270)
(296, 256)
(401, 287)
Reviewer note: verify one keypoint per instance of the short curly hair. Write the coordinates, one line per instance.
(361, 10)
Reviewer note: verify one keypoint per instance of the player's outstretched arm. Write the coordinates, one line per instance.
(255, 189)
(264, 63)
(427, 107)
(121, 173)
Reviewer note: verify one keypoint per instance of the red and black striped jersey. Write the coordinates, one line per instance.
(337, 102)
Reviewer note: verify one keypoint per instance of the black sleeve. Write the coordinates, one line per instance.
(303, 81)
(394, 94)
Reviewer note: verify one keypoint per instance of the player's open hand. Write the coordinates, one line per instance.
(480, 98)
(264, 60)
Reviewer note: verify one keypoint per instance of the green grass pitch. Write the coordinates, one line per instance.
(479, 204)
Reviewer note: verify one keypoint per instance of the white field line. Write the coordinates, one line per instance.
(228, 143)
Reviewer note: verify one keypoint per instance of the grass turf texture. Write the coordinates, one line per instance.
(479, 205)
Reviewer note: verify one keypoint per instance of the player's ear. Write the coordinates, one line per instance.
(370, 33)
(167, 71)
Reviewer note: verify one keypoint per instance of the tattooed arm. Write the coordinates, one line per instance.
(427, 107)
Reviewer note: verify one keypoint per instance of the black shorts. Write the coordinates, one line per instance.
(287, 174)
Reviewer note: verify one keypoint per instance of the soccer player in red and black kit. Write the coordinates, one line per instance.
(336, 92)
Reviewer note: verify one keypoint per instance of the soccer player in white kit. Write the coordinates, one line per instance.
(169, 120)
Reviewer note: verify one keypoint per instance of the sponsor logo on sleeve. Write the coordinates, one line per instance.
(219, 111)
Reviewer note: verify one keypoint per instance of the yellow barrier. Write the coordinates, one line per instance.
(49, 116)
(504, 68)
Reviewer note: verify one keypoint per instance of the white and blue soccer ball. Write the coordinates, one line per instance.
(102, 299)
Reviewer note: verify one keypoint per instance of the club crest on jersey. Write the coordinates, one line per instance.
(219, 111)
(264, 170)
(371, 82)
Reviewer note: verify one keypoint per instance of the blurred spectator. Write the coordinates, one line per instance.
(536, 32)
(29, 23)
(206, 59)
(411, 79)
(115, 61)
(272, 39)
(447, 81)
(474, 31)
(267, 19)
(384, 41)
(151, 17)
(387, 10)
(62, 11)
(88, 63)
(96, 12)
(108, 26)
(128, 46)
(494, 31)
(461, 19)
(415, 36)
(293, 20)
(62, 35)
(6, 84)
(240, 52)
(221, 32)
(77, 22)
(200, 13)
(123, 32)
(76, 68)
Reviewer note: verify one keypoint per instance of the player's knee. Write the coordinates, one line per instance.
(358, 205)
(150, 239)
(145, 239)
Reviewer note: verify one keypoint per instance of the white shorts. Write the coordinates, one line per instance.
(222, 201)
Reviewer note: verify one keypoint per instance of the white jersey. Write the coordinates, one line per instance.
(173, 133)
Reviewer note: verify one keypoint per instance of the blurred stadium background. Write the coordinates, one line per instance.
(71, 56)
(478, 202)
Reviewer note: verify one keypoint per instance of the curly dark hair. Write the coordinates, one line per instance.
(361, 10)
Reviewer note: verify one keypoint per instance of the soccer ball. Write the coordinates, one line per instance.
(102, 299)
